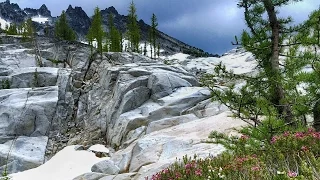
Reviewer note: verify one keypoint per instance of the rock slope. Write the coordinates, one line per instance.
(146, 112)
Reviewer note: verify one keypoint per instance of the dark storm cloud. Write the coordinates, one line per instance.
(207, 24)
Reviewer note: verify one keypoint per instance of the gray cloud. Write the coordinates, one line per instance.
(207, 24)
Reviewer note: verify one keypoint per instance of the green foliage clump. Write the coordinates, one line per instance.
(5, 84)
(63, 30)
(36, 82)
(12, 29)
(27, 30)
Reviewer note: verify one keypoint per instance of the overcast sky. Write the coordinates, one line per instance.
(208, 24)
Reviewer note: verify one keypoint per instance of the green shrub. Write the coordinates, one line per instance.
(287, 154)
(5, 84)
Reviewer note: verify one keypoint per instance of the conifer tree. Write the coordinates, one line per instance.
(158, 50)
(133, 28)
(96, 31)
(114, 36)
(145, 49)
(12, 29)
(309, 38)
(153, 34)
(63, 30)
(27, 29)
(266, 93)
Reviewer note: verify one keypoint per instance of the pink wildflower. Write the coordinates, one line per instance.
(299, 135)
(188, 166)
(292, 174)
(255, 168)
(311, 130)
(286, 134)
(198, 172)
(304, 148)
(244, 137)
(274, 139)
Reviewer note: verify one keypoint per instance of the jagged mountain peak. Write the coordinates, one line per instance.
(78, 20)
(70, 8)
(44, 11)
(112, 10)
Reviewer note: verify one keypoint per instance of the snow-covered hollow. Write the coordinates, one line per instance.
(65, 165)
(4, 23)
(40, 19)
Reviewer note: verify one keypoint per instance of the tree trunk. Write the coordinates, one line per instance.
(278, 94)
(316, 116)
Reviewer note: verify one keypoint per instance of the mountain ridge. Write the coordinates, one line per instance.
(80, 23)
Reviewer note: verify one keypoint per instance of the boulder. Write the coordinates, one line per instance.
(105, 167)
(22, 153)
(27, 112)
(163, 84)
(90, 176)
(34, 77)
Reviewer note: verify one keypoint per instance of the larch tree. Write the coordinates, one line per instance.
(133, 32)
(114, 36)
(96, 32)
(265, 93)
(153, 34)
(63, 30)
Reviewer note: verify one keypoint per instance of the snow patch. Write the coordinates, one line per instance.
(65, 165)
(99, 148)
(40, 19)
(4, 23)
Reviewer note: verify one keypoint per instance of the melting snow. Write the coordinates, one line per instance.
(4, 23)
(65, 165)
(40, 19)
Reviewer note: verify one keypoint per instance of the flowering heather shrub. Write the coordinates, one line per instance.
(286, 155)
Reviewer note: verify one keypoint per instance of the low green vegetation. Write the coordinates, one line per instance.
(5, 83)
(292, 154)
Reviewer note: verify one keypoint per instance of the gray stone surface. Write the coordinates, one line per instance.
(163, 84)
(169, 122)
(90, 176)
(105, 167)
(23, 153)
(27, 112)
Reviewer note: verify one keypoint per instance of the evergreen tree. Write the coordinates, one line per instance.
(153, 34)
(309, 37)
(114, 36)
(133, 28)
(96, 31)
(158, 50)
(12, 29)
(145, 49)
(63, 30)
(267, 93)
(27, 29)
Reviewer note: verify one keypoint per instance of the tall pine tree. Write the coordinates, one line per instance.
(133, 28)
(63, 30)
(114, 36)
(96, 31)
(266, 93)
(153, 34)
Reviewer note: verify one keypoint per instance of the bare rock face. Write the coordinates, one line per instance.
(126, 101)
